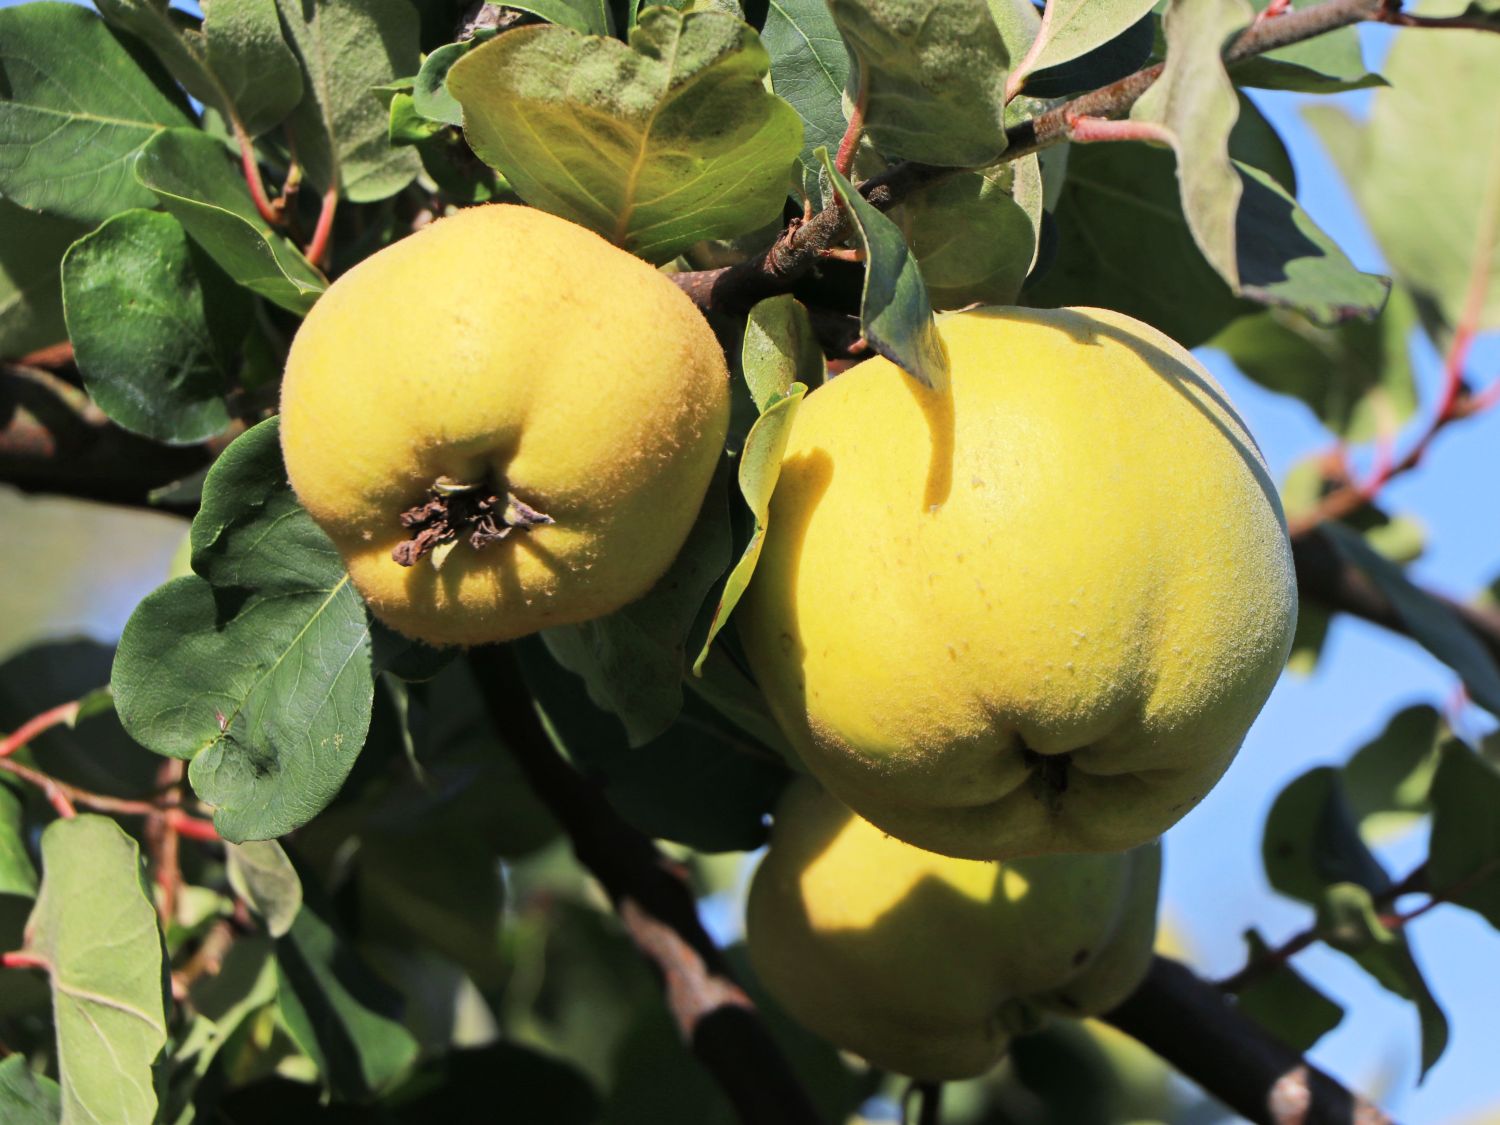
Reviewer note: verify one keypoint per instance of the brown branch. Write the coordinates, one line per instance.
(1192, 1025)
(62, 795)
(734, 289)
(717, 1020)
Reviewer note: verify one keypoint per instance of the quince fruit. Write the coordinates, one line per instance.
(1037, 614)
(929, 965)
(503, 423)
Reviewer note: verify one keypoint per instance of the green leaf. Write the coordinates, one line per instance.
(1431, 623)
(1463, 862)
(26, 1097)
(94, 928)
(1388, 779)
(1123, 55)
(261, 873)
(1357, 378)
(75, 110)
(1348, 919)
(780, 349)
(701, 783)
(1456, 190)
(190, 173)
(155, 325)
(1072, 28)
(976, 233)
(430, 96)
(538, 1087)
(237, 62)
(656, 146)
(931, 76)
(338, 1012)
(17, 875)
(809, 68)
(31, 250)
(760, 467)
(1284, 1003)
(1325, 64)
(590, 17)
(893, 307)
(633, 659)
(1195, 105)
(1311, 840)
(346, 48)
(257, 668)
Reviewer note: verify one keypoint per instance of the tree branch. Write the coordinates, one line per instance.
(1190, 1024)
(717, 1020)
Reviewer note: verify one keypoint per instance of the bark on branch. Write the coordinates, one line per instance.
(1192, 1025)
(717, 1020)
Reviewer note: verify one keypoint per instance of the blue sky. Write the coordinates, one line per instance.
(1214, 884)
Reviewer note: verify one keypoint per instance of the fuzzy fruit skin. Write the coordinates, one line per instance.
(928, 965)
(1080, 552)
(506, 340)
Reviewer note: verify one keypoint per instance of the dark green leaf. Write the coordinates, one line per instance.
(1349, 919)
(893, 309)
(538, 1087)
(155, 325)
(702, 783)
(1311, 840)
(31, 250)
(1463, 863)
(656, 146)
(633, 659)
(1387, 780)
(26, 1097)
(759, 468)
(1074, 29)
(346, 48)
(1126, 53)
(191, 175)
(1284, 1003)
(809, 68)
(1356, 378)
(1432, 624)
(263, 876)
(257, 668)
(17, 875)
(94, 928)
(931, 76)
(338, 1011)
(75, 110)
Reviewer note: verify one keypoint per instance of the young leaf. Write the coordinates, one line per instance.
(1347, 916)
(1311, 840)
(809, 68)
(1325, 64)
(75, 110)
(1463, 862)
(26, 1097)
(1357, 378)
(17, 875)
(930, 75)
(1388, 779)
(346, 48)
(1432, 624)
(1194, 104)
(760, 466)
(1071, 29)
(656, 146)
(261, 873)
(190, 173)
(633, 659)
(31, 250)
(1284, 1003)
(94, 928)
(893, 309)
(338, 1011)
(429, 95)
(780, 349)
(257, 668)
(1456, 193)
(137, 288)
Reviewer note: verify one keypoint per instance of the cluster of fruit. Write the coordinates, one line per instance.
(1014, 628)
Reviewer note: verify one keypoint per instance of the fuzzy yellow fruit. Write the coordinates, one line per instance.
(928, 965)
(1036, 616)
(543, 409)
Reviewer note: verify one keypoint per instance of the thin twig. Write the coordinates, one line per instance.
(270, 212)
(71, 795)
(61, 715)
(318, 247)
